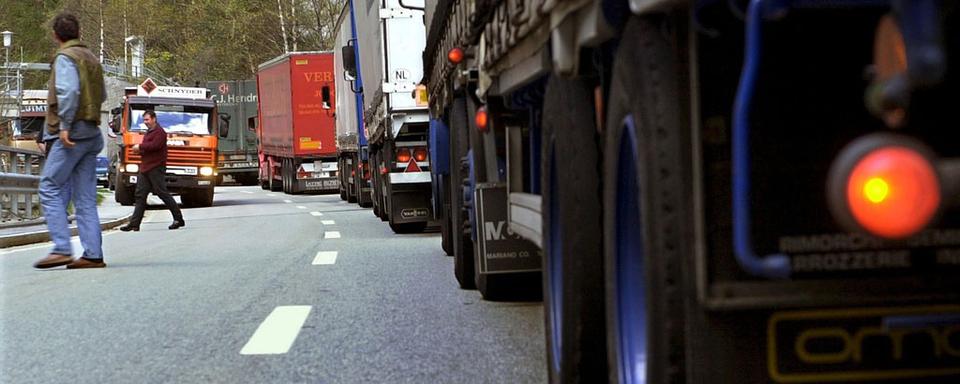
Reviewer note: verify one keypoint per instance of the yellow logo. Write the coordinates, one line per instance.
(859, 345)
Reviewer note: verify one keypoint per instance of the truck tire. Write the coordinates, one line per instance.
(462, 244)
(648, 202)
(203, 197)
(123, 194)
(271, 180)
(446, 242)
(187, 199)
(341, 178)
(375, 184)
(264, 182)
(247, 179)
(294, 184)
(353, 193)
(380, 190)
(286, 176)
(572, 234)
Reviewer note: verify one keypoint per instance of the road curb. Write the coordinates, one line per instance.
(43, 236)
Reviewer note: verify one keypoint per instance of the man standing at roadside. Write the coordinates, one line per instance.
(153, 169)
(72, 130)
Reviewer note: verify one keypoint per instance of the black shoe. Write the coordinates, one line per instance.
(177, 224)
(128, 228)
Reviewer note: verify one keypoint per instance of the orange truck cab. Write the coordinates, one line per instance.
(193, 125)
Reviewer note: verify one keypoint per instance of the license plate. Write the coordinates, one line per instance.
(182, 170)
(864, 344)
(325, 184)
(203, 182)
(176, 143)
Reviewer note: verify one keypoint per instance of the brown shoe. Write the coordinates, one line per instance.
(53, 260)
(86, 263)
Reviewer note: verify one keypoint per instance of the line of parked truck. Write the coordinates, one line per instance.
(702, 191)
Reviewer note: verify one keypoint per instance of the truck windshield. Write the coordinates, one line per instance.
(174, 119)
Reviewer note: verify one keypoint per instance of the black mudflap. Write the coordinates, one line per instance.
(508, 266)
(410, 204)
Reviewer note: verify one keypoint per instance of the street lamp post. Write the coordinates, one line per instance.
(7, 43)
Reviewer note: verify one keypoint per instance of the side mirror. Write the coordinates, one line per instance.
(224, 125)
(349, 61)
(116, 111)
(325, 95)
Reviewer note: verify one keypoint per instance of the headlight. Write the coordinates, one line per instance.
(132, 168)
(206, 171)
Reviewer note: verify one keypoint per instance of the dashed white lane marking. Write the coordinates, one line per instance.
(288, 201)
(331, 235)
(328, 222)
(271, 194)
(75, 240)
(315, 213)
(325, 258)
(278, 331)
(248, 192)
(301, 207)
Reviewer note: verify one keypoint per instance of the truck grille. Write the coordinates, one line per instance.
(180, 156)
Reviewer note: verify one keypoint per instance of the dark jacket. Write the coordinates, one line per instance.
(153, 149)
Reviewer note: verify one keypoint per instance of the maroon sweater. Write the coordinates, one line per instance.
(153, 149)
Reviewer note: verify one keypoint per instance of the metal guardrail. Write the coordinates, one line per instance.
(19, 183)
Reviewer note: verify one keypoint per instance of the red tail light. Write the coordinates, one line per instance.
(481, 119)
(890, 190)
(455, 55)
(893, 192)
(420, 154)
(403, 155)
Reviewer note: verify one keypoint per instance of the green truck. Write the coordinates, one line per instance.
(238, 151)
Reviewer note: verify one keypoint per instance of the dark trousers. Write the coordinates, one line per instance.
(153, 181)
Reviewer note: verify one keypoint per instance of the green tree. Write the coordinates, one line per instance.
(189, 41)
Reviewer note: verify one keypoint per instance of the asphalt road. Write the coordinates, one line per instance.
(261, 288)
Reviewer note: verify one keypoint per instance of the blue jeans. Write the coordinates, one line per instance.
(73, 169)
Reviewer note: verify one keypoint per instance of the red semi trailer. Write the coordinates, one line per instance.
(297, 132)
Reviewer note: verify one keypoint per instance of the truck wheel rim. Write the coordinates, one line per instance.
(630, 305)
(555, 265)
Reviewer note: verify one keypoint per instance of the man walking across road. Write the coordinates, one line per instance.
(76, 91)
(153, 169)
